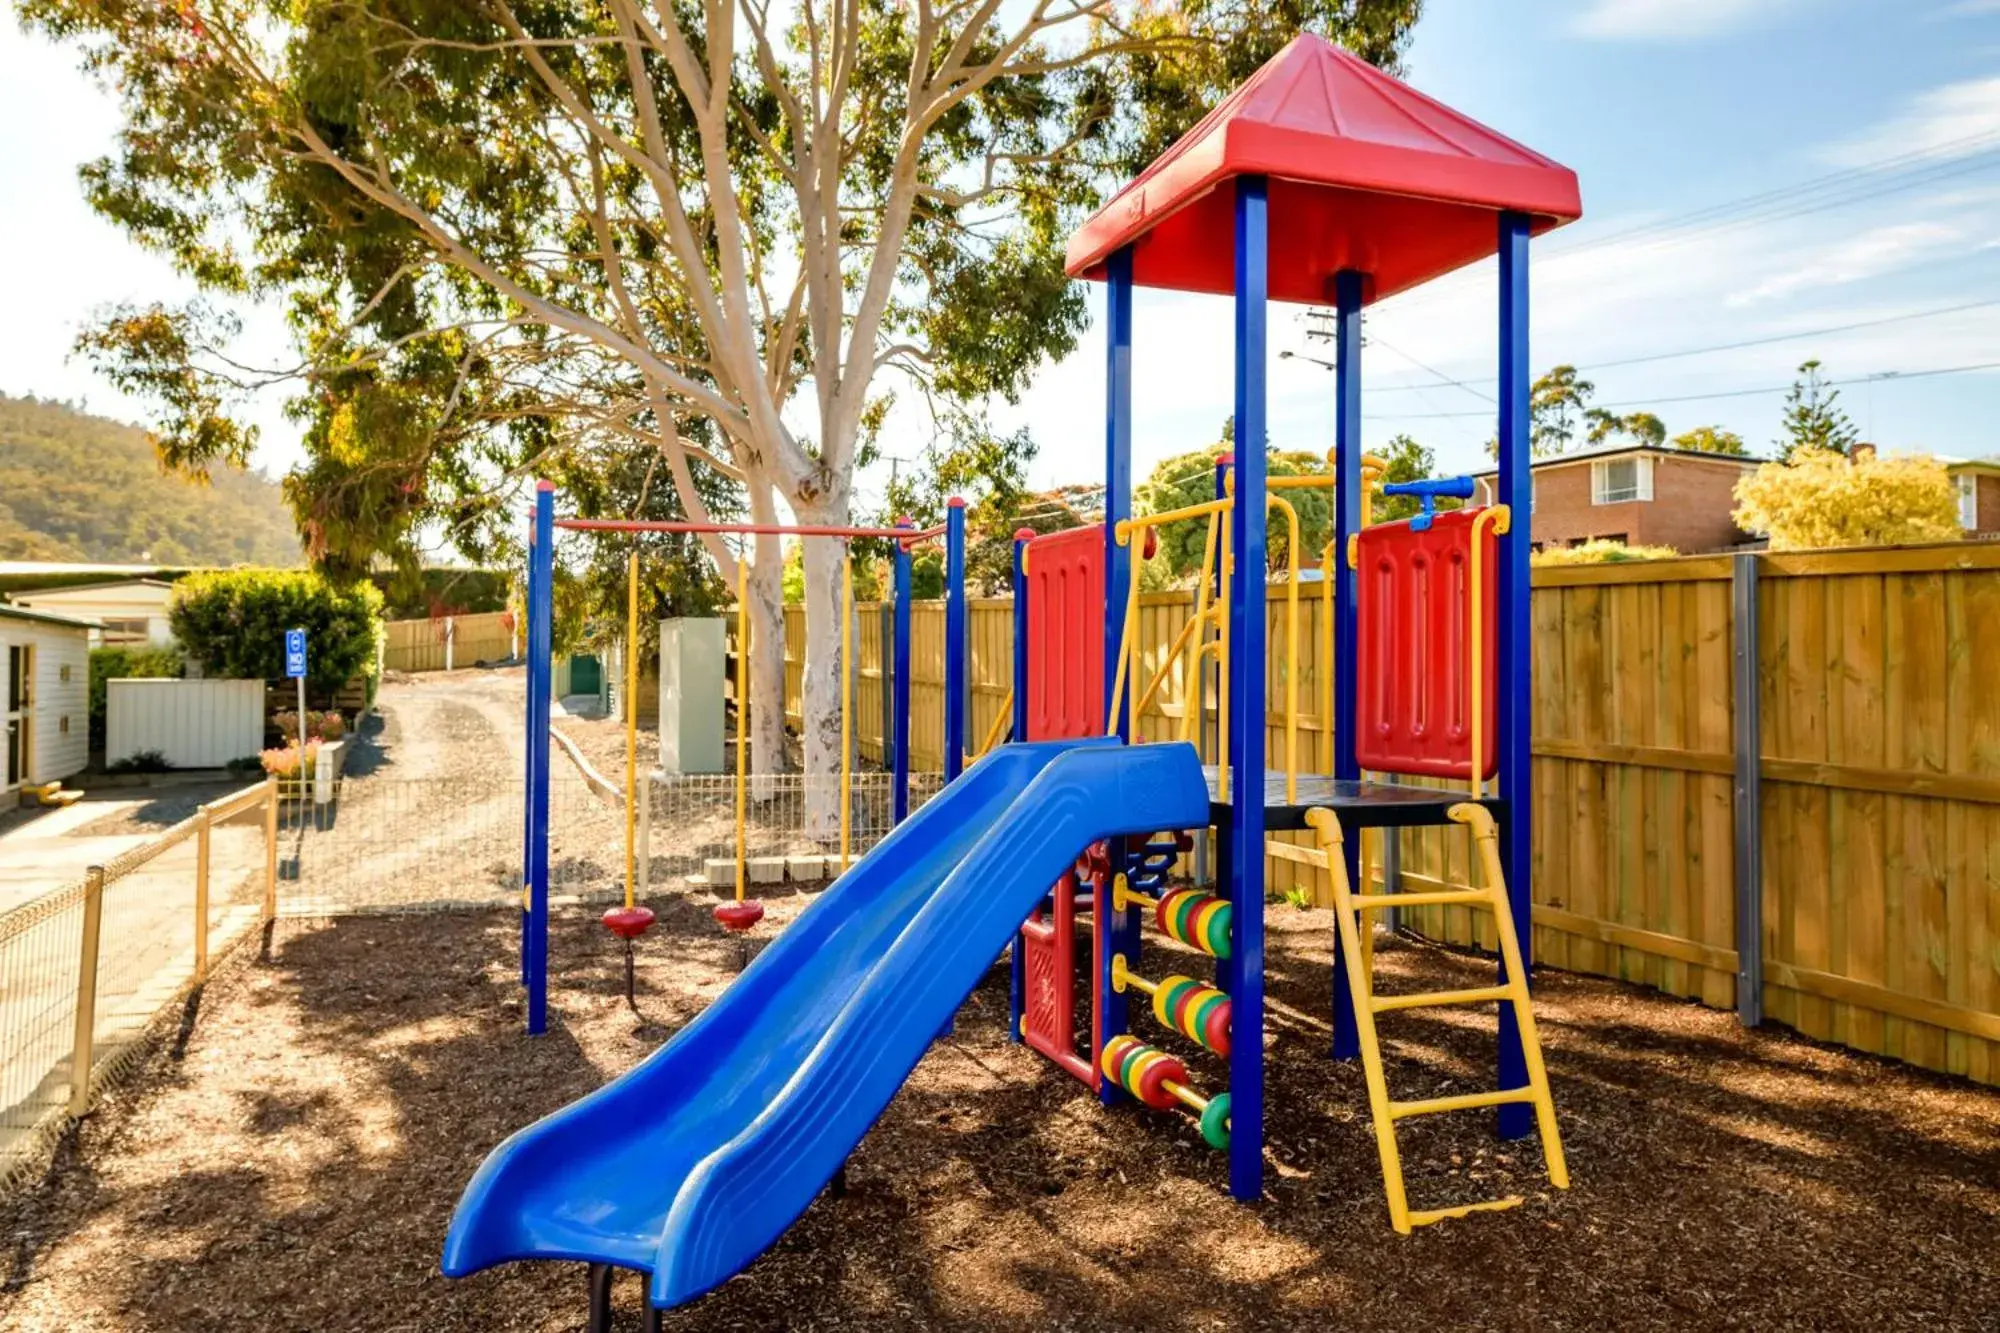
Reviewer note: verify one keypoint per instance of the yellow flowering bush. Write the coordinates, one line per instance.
(1598, 552)
(1822, 498)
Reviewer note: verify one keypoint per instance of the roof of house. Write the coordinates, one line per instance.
(1618, 450)
(11, 612)
(56, 590)
(1989, 466)
(1366, 173)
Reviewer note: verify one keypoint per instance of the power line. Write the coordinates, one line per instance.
(1650, 357)
(1878, 376)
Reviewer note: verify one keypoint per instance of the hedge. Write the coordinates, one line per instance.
(233, 622)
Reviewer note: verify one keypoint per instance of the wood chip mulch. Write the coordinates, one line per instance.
(292, 1161)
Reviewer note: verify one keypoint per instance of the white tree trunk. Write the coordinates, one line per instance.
(821, 704)
(767, 663)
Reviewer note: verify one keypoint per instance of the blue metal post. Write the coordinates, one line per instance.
(1246, 701)
(955, 644)
(1515, 687)
(899, 725)
(1017, 988)
(541, 642)
(1123, 933)
(1346, 522)
(534, 681)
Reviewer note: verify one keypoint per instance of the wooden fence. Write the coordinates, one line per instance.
(426, 645)
(1873, 802)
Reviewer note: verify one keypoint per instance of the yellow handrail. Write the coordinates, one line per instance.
(1309, 482)
(1500, 519)
(999, 727)
(1127, 526)
(1193, 624)
(1225, 558)
(1291, 643)
(1128, 655)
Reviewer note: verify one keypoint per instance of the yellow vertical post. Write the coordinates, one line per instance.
(846, 707)
(86, 991)
(1223, 607)
(631, 727)
(271, 847)
(742, 711)
(202, 823)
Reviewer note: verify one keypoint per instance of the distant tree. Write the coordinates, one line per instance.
(1642, 427)
(989, 471)
(1710, 440)
(233, 622)
(1187, 479)
(1557, 402)
(1813, 418)
(1406, 461)
(1821, 498)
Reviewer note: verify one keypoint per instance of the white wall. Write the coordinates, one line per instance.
(59, 742)
(133, 600)
(194, 723)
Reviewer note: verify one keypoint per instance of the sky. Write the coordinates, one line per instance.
(1751, 170)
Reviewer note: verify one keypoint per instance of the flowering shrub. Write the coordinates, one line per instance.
(327, 726)
(1597, 552)
(288, 763)
(1822, 498)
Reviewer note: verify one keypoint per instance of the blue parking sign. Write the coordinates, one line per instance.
(295, 653)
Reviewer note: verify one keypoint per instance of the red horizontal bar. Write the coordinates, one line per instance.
(748, 529)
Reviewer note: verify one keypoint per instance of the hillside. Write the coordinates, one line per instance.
(80, 487)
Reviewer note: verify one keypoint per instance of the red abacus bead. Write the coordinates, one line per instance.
(739, 917)
(628, 923)
(1154, 1078)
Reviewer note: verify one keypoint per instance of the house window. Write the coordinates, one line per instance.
(1618, 480)
(1968, 501)
(119, 631)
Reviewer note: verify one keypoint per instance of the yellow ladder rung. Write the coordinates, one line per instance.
(1467, 1101)
(1423, 1217)
(1383, 1004)
(1382, 902)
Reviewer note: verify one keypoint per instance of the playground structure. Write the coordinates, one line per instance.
(691, 1165)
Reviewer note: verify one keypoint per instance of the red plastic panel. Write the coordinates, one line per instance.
(1413, 702)
(1066, 634)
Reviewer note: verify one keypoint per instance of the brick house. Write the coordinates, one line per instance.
(1641, 495)
(1978, 486)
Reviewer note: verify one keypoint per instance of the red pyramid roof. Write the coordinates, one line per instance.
(1365, 173)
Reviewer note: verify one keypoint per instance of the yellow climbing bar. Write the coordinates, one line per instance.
(1437, 998)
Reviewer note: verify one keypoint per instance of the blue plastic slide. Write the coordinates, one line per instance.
(689, 1166)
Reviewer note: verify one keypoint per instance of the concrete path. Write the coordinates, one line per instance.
(47, 852)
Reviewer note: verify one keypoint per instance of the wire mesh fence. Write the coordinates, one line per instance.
(387, 844)
(86, 970)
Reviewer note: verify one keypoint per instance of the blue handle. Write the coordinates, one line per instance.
(1430, 490)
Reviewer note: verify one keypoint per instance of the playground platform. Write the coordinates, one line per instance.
(1363, 804)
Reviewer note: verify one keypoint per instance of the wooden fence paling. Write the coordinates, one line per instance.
(1877, 776)
(418, 645)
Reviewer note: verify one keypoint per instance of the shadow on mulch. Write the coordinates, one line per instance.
(297, 1168)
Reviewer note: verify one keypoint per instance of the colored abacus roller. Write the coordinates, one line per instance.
(1159, 1080)
(1196, 1011)
(1196, 919)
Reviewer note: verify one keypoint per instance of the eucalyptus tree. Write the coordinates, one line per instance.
(722, 233)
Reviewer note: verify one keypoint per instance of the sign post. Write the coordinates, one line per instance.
(295, 667)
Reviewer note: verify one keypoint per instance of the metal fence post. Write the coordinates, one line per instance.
(1749, 796)
(271, 847)
(86, 991)
(203, 820)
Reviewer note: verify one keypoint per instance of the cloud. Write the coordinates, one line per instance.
(1954, 120)
(1871, 254)
(1634, 20)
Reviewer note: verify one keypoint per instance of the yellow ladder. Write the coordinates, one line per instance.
(1350, 908)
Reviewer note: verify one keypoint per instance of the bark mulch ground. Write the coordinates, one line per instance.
(292, 1161)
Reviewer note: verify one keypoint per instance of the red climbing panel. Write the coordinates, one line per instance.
(1066, 634)
(1413, 680)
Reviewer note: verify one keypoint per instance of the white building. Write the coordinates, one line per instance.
(44, 696)
(130, 612)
